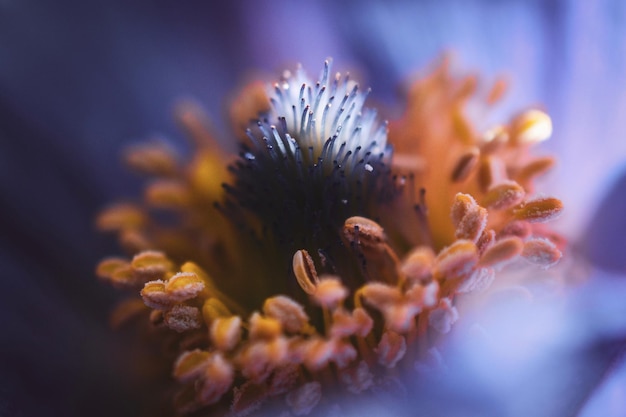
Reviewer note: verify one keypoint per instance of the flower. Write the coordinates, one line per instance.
(279, 287)
(76, 87)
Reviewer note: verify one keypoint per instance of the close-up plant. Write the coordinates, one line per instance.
(282, 209)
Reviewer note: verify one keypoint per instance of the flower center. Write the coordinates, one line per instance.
(314, 159)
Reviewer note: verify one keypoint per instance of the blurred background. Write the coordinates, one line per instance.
(79, 80)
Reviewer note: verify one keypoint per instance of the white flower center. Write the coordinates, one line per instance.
(326, 118)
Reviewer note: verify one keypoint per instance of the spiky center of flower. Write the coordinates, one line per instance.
(318, 115)
(314, 159)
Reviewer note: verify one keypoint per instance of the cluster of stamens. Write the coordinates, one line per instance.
(331, 332)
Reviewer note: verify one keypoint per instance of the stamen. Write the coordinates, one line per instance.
(190, 365)
(154, 295)
(391, 349)
(455, 260)
(305, 272)
(330, 292)
(182, 318)
(183, 286)
(442, 318)
(504, 195)
(225, 332)
(217, 380)
(417, 267)
(535, 168)
(531, 127)
(121, 216)
(539, 210)
(491, 171)
(541, 252)
(264, 327)
(469, 218)
(501, 252)
(303, 400)
(290, 314)
(466, 164)
(358, 378)
(313, 176)
(168, 194)
(152, 159)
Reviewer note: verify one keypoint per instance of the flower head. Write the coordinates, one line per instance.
(318, 264)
